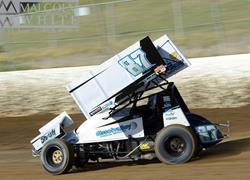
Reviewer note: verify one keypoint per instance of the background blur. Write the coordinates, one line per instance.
(87, 32)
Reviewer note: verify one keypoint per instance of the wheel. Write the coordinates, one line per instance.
(175, 144)
(57, 156)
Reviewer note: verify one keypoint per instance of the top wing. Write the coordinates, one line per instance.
(125, 73)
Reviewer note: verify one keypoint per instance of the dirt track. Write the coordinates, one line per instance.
(211, 82)
(228, 160)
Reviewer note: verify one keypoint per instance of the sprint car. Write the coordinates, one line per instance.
(132, 112)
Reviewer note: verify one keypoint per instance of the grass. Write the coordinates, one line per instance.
(209, 28)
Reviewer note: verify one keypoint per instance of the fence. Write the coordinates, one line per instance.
(59, 33)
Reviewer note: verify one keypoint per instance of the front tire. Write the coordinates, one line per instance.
(57, 156)
(175, 144)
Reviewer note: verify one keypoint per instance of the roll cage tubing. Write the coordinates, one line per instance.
(176, 99)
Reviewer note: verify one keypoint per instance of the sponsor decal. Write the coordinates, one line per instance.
(170, 118)
(115, 130)
(48, 136)
(107, 105)
(169, 112)
(97, 109)
(160, 69)
(170, 115)
(174, 55)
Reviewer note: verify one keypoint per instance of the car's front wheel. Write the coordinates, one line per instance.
(57, 156)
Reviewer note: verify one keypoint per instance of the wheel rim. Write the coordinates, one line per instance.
(57, 156)
(175, 146)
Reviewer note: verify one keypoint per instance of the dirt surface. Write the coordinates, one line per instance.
(228, 160)
(211, 82)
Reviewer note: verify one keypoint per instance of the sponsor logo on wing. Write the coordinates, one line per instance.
(115, 130)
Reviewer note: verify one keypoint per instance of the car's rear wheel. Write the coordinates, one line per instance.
(175, 144)
(57, 156)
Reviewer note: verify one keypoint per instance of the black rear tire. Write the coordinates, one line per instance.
(57, 156)
(175, 144)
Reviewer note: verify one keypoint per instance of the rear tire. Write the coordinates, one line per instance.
(57, 156)
(175, 144)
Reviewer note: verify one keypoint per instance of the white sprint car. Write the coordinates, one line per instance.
(132, 112)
